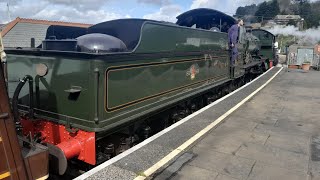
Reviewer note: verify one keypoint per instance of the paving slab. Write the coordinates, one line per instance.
(314, 170)
(275, 156)
(229, 139)
(246, 123)
(293, 143)
(209, 159)
(233, 166)
(195, 173)
(276, 130)
(263, 171)
(225, 177)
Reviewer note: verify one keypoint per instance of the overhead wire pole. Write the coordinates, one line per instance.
(8, 10)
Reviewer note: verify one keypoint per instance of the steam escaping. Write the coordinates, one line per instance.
(307, 37)
(284, 5)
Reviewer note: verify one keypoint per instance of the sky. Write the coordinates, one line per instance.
(95, 11)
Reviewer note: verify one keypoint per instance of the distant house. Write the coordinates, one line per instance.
(289, 19)
(21, 31)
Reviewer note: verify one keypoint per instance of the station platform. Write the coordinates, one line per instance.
(267, 129)
(275, 135)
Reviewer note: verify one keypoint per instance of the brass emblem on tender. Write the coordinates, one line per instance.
(193, 71)
(223, 43)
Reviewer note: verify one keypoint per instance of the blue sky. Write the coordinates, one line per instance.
(95, 11)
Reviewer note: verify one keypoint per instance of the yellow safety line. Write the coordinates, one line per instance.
(44, 177)
(186, 144)
(4, 175)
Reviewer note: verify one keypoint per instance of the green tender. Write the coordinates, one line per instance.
(121, 87)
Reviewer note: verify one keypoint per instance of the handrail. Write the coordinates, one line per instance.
(3, 60)
(1, 43)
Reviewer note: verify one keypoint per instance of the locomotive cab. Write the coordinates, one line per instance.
(267, 41)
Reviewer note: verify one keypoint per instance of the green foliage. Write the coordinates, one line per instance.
(268, 10)
(246, 10)
(285, 41)
(265, 10)
(313, 17)
(309, 11)
(247, 13)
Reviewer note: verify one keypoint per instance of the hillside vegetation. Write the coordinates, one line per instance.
(267, 10)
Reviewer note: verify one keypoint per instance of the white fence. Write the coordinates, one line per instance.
(303, 54)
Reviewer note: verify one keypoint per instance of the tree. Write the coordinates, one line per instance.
(309, 11)
(246, 10)
(268, 10)
(315, 14)
(262, 10)
(303, 8)
(274, 8)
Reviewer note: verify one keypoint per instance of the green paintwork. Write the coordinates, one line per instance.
(157, 74)
(266, 40)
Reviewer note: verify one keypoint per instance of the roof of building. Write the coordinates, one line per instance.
(19, 32)
(45, 22)
(287, 17)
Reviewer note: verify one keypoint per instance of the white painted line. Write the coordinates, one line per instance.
(152, 138)
(186, 144)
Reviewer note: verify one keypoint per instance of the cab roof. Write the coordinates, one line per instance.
(205, 18)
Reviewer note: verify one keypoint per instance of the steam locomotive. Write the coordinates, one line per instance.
(95, 96)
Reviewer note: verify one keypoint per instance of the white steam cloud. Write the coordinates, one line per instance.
(306, 37)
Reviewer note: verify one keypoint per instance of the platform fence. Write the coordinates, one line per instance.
(293, 59)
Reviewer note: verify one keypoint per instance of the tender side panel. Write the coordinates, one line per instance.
(128, 85)
(51, 92)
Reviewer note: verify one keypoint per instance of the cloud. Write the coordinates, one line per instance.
(166, 13)
(59, 10)
(81, 4)
(155, 2)
(74, 15)
(18, 9)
